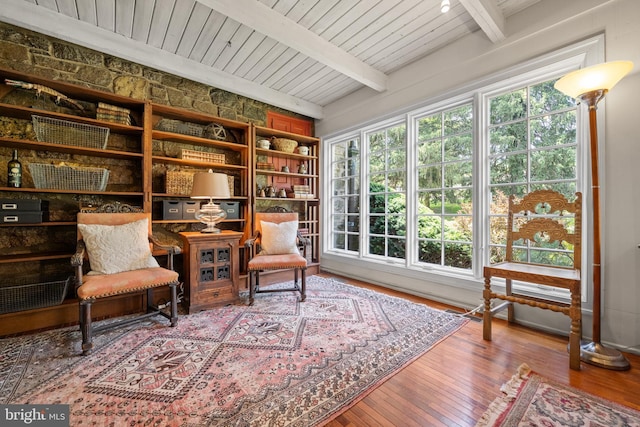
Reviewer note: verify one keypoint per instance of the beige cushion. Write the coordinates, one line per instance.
(278, 238)
(117, 248)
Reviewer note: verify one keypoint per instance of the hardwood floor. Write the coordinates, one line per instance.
(454, 382)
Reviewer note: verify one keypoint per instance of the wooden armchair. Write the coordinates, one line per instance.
(274, 246)
(117, 241)
(541, 220)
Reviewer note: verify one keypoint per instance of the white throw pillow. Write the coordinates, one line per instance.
(117, 248)
(279, 239)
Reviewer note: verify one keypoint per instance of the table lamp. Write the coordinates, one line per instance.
(210, 185)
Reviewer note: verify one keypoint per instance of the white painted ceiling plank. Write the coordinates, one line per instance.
(488, 17)
(248, 50)
(267, 50)
(235, 44)
(270, 23)
(84, 34)
(105, 11)
(316, 19)
(142, 16)
(49, 4)
(289, 78)
(68, 7)
(285, 63)
(177, 25)
(449, 31)
(124, 13)
(221, 41)
(396, 30)
(160, 22)
(208, 34)
(193, 29)
(415, 30)
(87, 11)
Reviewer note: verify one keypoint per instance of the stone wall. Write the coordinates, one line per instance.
(33, 53)
(36, 54)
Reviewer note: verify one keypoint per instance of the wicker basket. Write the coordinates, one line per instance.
(28, 296)
(180, 183)
(177, 126)
(202, 156)
(63, 177)
(284, 144)
(64, 132)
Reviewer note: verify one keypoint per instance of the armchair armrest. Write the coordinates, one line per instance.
(171, 250)
(305, 242)
(251, 245)
(77, 260)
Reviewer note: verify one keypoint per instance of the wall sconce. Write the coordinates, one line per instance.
(210, 185)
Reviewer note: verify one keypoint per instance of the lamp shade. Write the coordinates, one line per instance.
(597, 77)
(208, 185)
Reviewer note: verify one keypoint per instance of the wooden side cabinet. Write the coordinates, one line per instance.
(212, 269)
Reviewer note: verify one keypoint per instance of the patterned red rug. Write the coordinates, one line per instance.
(531, 400)
(280, 362)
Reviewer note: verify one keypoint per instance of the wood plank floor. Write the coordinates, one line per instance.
(454, 382)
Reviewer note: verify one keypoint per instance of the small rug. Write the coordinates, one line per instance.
(280, 362)
(532, 400)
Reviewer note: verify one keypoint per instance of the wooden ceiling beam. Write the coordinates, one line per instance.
(487, 16)
(274, 25)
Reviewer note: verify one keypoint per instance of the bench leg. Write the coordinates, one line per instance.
(85, 325)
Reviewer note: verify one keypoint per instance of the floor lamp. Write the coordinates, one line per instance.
(590, 85)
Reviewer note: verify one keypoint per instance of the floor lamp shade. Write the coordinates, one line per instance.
(589, 85)
(210, 185)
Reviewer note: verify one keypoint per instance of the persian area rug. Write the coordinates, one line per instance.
(532, 400)
(280, 362)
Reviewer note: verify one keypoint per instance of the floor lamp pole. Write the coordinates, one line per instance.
(594, 352)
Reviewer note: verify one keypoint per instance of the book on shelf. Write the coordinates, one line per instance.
(105, 106)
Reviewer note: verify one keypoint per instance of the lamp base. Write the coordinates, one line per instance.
(596, 354)
(210, 229)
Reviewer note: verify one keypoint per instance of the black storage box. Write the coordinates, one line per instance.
(23, 205)
(232, 209)
(22, 217)
(171, 209)
(189, 209)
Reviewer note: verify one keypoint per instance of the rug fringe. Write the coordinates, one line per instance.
(500, 404)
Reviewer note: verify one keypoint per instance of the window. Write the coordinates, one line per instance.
(444, 188)
(532, 145)
(426, 193)
(345, 195)
(387, 177)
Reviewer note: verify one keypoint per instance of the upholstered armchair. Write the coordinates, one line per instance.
(274, 246)
(118, 247)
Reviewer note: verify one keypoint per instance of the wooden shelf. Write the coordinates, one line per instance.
(35, 257)
(70, 149)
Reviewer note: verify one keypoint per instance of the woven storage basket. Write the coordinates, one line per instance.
(63, 177)
(284, 144)
(179, 182)
(202, 156)
(64, 132)
(177, 126)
